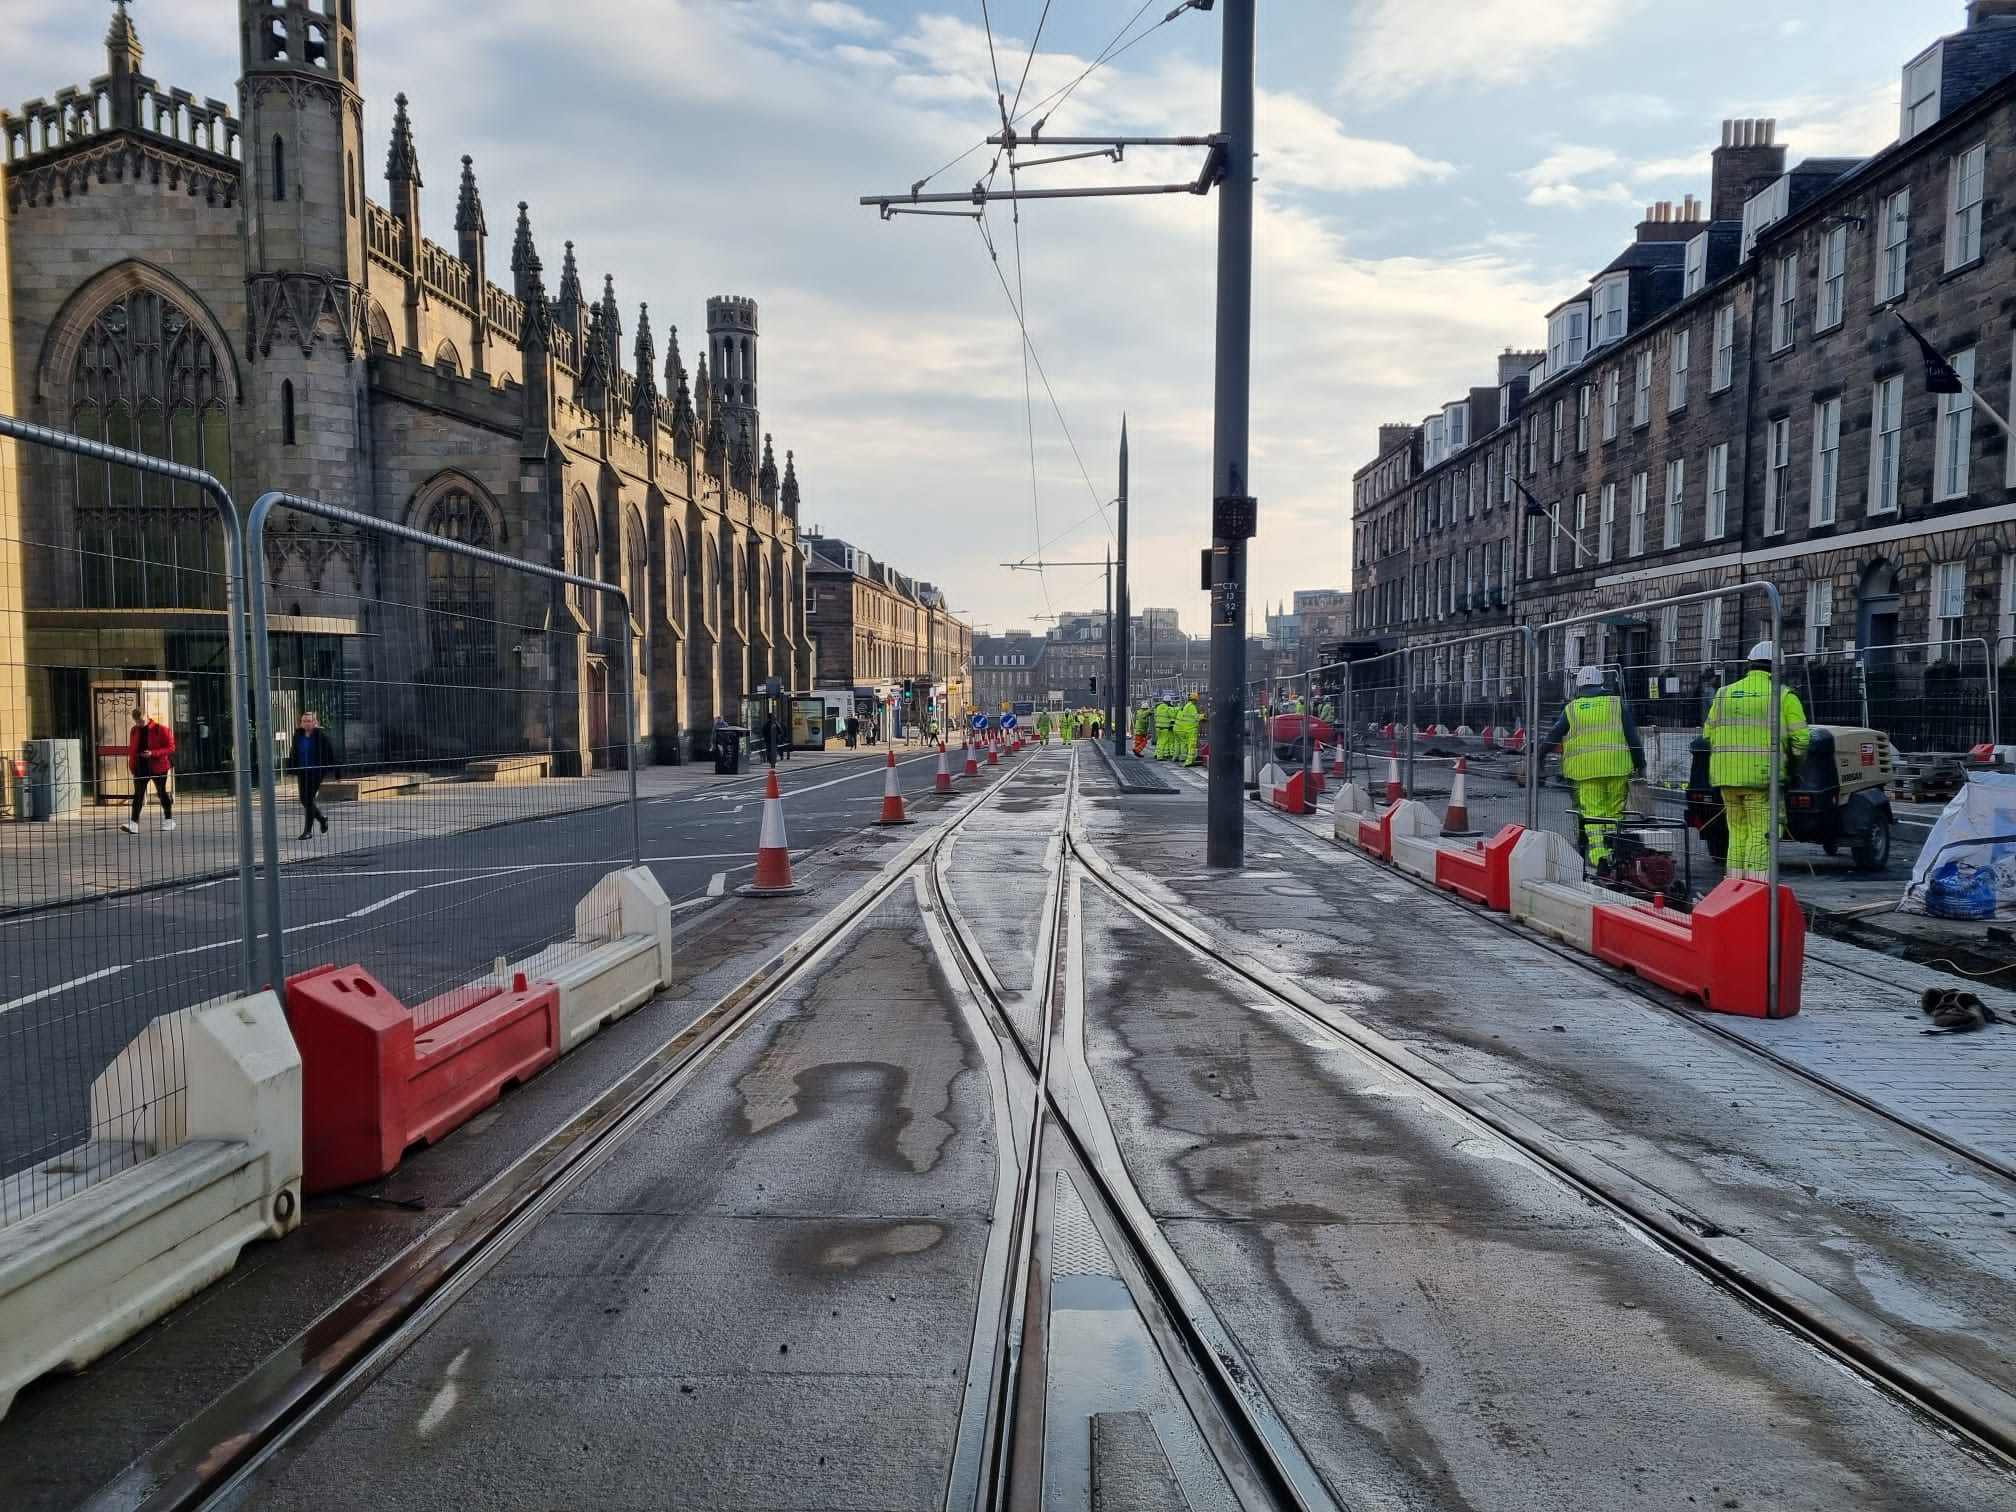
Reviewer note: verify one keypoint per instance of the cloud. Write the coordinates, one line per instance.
(843, 18)
(1553, 183)
(1400, 47)
(1855, 122)
(1568, 163)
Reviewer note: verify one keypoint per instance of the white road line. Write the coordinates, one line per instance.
(370, 908)
(60, 987)
(717, 884)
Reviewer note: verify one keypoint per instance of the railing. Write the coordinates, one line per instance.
(446, 274)
(77, 115)
(505, 312)
(384, 235)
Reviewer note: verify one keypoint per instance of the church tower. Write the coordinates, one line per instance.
(303, 199)
(731, 343)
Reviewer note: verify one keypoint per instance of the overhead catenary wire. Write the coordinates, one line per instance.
(1111, 53)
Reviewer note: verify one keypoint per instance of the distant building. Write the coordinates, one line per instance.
(873, 628)
(1010, 669)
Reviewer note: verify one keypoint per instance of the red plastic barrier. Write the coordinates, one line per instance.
(1482, 872)
(1293, 796)
(1717, 954)
(1375, 835)
(373, 1086)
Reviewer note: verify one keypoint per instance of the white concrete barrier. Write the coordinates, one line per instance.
(619, 958)
(1351, 803)
(153, 1214)
(1548, 893)
(1415, 837)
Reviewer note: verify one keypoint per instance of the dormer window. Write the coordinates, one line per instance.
(1921, 91)
(1697, 265)
(1458, 418)
(1765, 208)
(1612, 298)
(1567, 337)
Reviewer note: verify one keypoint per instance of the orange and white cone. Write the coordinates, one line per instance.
(892, 796)
(972, 761)
(994, 752)
(944, 784)
(1457, 821)
(773, 851)
(1337, 760)
(1395, 791)
(1313, 777)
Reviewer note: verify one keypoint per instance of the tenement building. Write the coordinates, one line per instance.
(222, 289)
(874, 628)
(1732, 400)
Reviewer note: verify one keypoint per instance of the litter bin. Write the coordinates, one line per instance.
(731, 749)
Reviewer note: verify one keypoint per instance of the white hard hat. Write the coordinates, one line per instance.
(1589, 677)
(1761, 652)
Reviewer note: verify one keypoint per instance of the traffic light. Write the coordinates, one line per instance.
(909, 686)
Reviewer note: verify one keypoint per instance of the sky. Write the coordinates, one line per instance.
(1433, 176)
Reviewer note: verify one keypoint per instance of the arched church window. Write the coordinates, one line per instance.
(636, 559)
(287, 411)
(583, 549)
(279, 168)
(145, 378)
(350, 181)
(462, 627)
(675, 576)
(379, 324)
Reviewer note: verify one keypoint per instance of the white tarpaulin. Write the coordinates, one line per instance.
(1975, 880)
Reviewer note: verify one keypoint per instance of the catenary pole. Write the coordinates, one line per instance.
(1232, 522)
(1123, 657)
(1110, 642)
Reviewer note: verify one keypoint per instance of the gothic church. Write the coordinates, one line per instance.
(220, 289)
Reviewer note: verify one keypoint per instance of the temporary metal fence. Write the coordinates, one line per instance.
(466, 696)
(112, 560)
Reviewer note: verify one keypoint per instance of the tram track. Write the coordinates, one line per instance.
(223, 1449)
(1262, 1462)
(1977, 1410)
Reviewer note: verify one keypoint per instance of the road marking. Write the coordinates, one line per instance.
(370, 908)
(737, 809)
(717, 884)
(60, 987)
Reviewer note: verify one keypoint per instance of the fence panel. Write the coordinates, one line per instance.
(120, 589)
(424, 714)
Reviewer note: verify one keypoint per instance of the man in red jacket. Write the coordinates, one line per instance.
(150, 757)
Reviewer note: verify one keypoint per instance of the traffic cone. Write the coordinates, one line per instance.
(1457, 822)
(972, 761)
(944, 784)
(1394, 791)
(993, 753)
(1313, 776)
(1337, 760)
(773, 851)
(892, 796)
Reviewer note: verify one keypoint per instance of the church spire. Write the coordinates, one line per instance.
(536, 334)
(703, 398)
(766, 475)
(612, 323)
(592, 392)
(644, 400)
(121, 41)
(523, 254)
(568, 305)
(402, 170)
(789, 493)
(469, 203)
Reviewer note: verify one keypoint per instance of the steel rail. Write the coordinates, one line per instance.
(1922, 1385)
(224, 1446)
(1231, 1385)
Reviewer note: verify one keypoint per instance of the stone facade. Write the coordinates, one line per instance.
(876, 628)
(318, 343)
(1772, 423)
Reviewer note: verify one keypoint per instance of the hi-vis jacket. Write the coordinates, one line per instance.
(1144, 722)
(1597, 745)
(1165, 716)
(1739, 731)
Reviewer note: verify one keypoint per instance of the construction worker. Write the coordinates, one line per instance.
(1186, 731)
(1600, 750)
(1043, 728)
(1165, 729)
(1144, 727)
(1738, 732)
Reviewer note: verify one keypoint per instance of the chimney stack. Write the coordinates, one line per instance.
(1749, 158)
(1979, 12)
